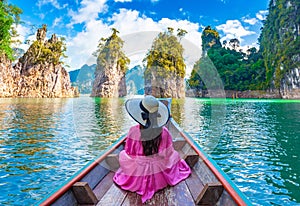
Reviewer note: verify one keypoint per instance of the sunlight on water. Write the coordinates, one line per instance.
(45, 141)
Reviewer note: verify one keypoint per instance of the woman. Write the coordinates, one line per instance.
(149, 162)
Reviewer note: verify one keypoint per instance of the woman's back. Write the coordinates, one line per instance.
(146, 168)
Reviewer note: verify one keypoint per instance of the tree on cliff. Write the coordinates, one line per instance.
(165, 67)
(43, 51)
(112, 63)
(9, 15)
(280, 40)
(238, 71)
(210, 38)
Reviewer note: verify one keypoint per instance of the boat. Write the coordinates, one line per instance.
(207, 185)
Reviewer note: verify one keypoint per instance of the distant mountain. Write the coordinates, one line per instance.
(83, 78)
(135, 80)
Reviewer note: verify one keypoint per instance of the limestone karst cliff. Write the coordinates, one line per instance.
(111, 68)
(280, 43)
(165, 67)
(38, 73)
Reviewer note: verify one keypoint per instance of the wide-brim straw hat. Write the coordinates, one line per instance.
(136, 108)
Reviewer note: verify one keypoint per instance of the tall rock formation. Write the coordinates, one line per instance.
(280, 43)
(111, 68)
(165, 67)
(7, 82)
(38, 72)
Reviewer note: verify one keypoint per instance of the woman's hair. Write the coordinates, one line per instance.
(151, 138)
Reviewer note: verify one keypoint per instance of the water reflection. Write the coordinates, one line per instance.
(202, 118)
(27, 128)
(252, 153)
(45, 141)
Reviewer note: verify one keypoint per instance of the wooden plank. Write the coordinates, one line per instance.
(226, 199)
(95, 176)
(67, 199)
(181, 195)
(84, 194)
(204, 173)
(188, 150)
(178, 144)
(191, 160)
(113, 197)
(104, 185)
(194, 184)
(171, 195)
(210, 194)
(189, 155)
(132, 198)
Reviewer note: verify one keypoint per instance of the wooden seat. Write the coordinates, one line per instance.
(210, 194)
(84, 194)
(204, 194)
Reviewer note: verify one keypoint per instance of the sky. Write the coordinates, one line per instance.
(84, 22)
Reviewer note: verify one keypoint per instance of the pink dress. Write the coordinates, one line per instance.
(147, 174)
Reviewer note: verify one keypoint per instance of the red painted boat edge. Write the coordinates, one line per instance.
(223, 181)
(82, 174)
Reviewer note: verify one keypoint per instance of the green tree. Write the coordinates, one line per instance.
(50, 51)
(237, 70)
(110, 52)
(164, 65)
(166, 55)
(210, 38)
(280, 40)
(9, 15)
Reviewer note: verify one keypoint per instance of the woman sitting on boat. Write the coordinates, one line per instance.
(149, 162)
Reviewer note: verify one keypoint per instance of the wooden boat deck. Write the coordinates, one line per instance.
(197, 189)
(94, 185)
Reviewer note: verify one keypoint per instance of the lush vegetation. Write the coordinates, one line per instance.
(249, 70)
(40, 51)
(237, 70)
(110, 52)
(9, 15)
(255, 69)
(280, 40)
(166, 55)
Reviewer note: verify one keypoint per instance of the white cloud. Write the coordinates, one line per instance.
(262, 15)
(54, 3)
(122, 1)
(24, 33)
(88, 10)
(57, 21)
(81, 47)
(234, 29)
(250, 21)
(138, 33)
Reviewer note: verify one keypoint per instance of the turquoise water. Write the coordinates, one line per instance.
(45, 141)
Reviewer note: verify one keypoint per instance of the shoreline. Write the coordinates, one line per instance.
(248, 94)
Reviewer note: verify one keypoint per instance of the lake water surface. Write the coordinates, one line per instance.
(45, 141)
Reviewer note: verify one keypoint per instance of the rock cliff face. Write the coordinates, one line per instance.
(32, 78)
(111, 67)
(290, 86)
(280, 41)
(109, 82)
(160, 87)
(7, 82)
